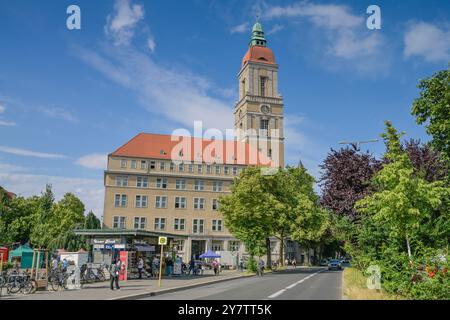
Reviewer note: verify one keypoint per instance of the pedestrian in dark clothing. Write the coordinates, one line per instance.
(115, 270)
(140, 267)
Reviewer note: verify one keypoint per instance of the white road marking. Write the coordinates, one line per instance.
(276, 294)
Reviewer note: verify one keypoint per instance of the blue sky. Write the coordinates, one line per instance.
(68, 98)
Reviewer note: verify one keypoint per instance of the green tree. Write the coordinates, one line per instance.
(433, 108)
(91, 221)
(402, 199)
(247, 211)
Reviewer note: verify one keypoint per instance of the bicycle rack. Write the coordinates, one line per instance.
(43, 281)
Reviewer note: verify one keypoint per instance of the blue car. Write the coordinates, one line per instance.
(335, 264)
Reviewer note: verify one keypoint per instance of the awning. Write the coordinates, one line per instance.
(209, 254)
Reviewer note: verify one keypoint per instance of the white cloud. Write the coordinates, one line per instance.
(151, 44)
(58, 113)
(336, 33)
(122, 24)
(276, 28)
(6, 167)
(7, 123)
(178, 95)
(90, 191)
(327, 15)
(29, 153)
(427, 41)
(93, 161)
(241, 28)
(2, 108)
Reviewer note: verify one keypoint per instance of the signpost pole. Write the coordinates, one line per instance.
(162, 241)
(160, 266)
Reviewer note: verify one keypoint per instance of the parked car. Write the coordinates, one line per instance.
(335, 264)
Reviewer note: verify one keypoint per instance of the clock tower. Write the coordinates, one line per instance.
(258, 115)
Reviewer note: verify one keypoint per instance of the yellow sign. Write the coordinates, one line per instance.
(162, 240)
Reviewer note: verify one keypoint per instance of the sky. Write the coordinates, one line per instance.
(70, 97)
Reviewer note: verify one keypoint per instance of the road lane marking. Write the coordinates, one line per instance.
(276, 294)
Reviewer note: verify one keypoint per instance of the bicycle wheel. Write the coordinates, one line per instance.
(101, 275)
(55, 284)
(14, 286)
(29, 286)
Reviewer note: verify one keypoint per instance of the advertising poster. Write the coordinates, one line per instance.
(124, 268)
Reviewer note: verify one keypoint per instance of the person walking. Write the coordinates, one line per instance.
(261, 268)
(155, 267)
(192, 266)
(169, 266)
(294, 262)
(55, 263)
(140, 266)
(115, 270)
(215, 266)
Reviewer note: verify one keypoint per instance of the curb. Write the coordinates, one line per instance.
(174, 289)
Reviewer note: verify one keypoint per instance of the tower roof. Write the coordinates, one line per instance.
(257, 51)
(257, 36)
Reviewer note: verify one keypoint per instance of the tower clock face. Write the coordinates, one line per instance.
(265, 109)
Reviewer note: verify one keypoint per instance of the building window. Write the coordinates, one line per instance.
(142, 182)
(216, 247)
(118, 222)
(197, 226)
(161, 183)
(143, 164)
(208, 169)
(264, 124)
(122, 181)
(262, 82)
(162, 166)
(226, 170)
(218, 170)
(161, 202)
(217, 186)
(199, 168)
(217, 225)
(139, 223)
(235, 171)
(199, 185)
(233, 245)
(191, 167)
(160, 223)
(172, 166)
(120, 200)
(141, 201)
(180, 202)
(181, 167)
(270, 153)
(152, 165)
(199, 203)
(133, 164)
(180, 184)
(215, 204)
(123, 163)
(179, 224)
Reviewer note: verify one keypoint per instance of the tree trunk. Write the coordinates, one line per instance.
(282, 250)
(409, 248)
(269, 253)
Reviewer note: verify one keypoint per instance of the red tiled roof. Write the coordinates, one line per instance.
(189, 149)
(259, 54)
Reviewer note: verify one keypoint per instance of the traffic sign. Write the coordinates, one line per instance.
(162, 240)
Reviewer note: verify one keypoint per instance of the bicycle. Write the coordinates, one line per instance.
(21, 283)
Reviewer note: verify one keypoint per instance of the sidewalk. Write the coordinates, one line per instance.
(129, 289)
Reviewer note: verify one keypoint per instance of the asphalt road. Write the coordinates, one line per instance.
(299, 284)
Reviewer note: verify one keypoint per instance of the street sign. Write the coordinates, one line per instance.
(162, 240)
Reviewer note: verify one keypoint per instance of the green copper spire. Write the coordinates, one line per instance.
(257, 36)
